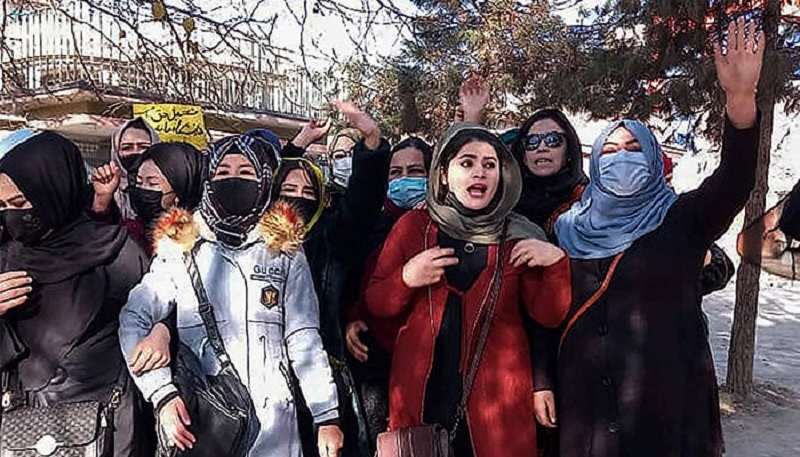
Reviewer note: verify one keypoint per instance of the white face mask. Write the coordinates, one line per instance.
(342, 169)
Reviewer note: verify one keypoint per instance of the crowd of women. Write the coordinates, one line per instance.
(486, 288)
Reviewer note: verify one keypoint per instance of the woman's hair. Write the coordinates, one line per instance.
(573, 142)
(289, 165)
(454, 146)
(418, 144)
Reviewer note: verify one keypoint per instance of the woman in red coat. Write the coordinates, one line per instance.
(438, 265)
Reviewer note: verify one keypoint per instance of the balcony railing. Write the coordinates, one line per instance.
(217, 86)
(48, 51)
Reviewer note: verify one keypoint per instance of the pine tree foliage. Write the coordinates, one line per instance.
(632, 58)
(655, 59)
(513, 44)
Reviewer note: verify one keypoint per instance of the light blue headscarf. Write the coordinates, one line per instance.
(627, 198)
(16, 138)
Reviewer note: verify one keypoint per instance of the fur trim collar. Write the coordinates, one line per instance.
(280, 229)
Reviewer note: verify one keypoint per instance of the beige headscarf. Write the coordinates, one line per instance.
(486, 227)
(121, 194)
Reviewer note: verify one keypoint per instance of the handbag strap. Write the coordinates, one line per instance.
(491, 303)
(8, 394)
(119, 389)
(592, 300)
(207, 313)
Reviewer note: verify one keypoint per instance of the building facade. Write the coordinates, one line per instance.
(77, 67)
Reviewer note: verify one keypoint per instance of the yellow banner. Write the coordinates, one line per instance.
(181, 123)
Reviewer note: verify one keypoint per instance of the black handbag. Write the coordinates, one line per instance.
(73, 429)
(83, 429)
(221, 409)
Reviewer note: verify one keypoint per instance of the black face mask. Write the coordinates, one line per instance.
(24, 225)
(129, 163)
(306, 207)
(147, 204)
(235, 196)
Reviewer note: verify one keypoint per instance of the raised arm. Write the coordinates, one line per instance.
(473, 96)
(366, 188)
(313, 131)
(723, 195)
(105, 181)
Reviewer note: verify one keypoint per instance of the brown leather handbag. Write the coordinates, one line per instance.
(433, 440)
(419, 441)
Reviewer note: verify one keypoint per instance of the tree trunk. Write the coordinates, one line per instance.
(407, 91)
(743, 332)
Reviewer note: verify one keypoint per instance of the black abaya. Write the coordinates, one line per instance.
(82, 272)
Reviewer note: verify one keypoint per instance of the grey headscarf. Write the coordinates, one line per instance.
(486, 226)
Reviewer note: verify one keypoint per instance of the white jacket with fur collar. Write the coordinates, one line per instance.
(267, 313)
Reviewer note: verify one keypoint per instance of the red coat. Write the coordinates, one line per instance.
(500, 409)
(383, 330)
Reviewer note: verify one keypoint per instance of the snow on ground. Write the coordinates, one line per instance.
(769, 427)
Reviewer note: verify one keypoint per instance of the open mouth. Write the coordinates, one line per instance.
(542, 161)
(477, 190)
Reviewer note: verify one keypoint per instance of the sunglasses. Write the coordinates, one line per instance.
(550, 139)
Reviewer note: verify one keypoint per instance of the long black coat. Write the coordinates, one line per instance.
(635, 372)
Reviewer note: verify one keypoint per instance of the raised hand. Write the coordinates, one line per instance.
(739, 70)
(427, 267)
(105, 181)
(473, 98)
(106, 178)
(313, 131)
(361, 121)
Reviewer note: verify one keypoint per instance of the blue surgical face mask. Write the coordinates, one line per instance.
(408, 191)
(624, 173)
